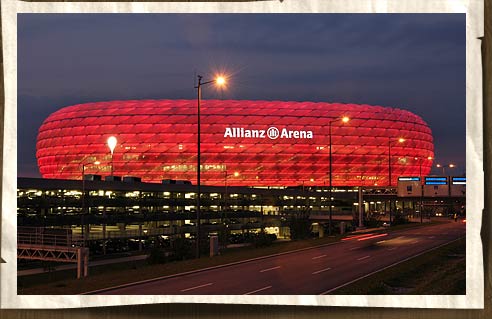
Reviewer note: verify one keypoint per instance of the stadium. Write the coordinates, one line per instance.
(243, 143)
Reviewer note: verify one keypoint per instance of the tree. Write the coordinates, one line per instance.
(300, 224)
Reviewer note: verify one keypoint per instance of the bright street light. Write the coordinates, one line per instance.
(444, 167)
(344, 119)
(112, 144)
(390, 139)
(220, 81)
(400, 140)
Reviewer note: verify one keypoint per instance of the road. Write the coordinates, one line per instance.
(308, 272)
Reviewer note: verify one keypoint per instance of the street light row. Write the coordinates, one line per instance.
(221, 81)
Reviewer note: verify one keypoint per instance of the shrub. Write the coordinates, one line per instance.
(157, 256)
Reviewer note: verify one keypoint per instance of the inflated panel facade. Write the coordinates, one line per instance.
(249, 143)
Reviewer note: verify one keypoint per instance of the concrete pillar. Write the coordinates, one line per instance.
(86, 262)
(361, 209)
(139, 237)
(79, 263)
(214, 246)
(104, 239)
(87, 230)
(321, 231)
(342, 228)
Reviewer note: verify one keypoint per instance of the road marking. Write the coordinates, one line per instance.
(320, 271)
(389, 266)
(196, 287)
(318, 257)
(268, 269)
(258, 290)
(362, 258)
(430, 237)
(415, 241)
(392, 248)
(354, 248)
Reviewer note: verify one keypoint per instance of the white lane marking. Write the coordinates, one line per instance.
(354, 248)
(415, 241)
(268, 269)
(318, 257)
(196, 287)
(430, 237)
(362, 258)
(320, 271)
(258, 290)
(389, 266)
(392, 248)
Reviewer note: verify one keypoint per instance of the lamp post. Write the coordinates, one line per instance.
(220, 81)
(344, 119)
(83, 198)
(444, 167)
(400, 140)
(112, 144)
(421, 188)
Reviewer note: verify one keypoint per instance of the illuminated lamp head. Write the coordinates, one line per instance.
(220, 80)
(112, 143)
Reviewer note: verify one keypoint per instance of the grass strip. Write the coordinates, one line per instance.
(438, 272)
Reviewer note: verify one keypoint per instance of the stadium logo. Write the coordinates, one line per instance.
(272, 133)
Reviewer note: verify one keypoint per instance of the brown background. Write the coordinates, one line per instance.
(249, 311)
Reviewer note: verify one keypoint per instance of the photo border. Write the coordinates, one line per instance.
(268, 7)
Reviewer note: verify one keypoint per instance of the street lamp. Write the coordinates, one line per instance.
(220, 81)
(344, 119)
(421, 187)
(444, 167)
(400, 140)
(112, 144)
(83, 197)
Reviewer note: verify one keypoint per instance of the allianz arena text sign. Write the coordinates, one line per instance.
(272, 133)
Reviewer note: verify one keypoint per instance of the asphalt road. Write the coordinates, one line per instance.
(308, 272)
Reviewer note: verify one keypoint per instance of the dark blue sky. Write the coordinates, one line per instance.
(410, 61)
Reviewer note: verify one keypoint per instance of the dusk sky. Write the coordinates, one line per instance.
(409, 61)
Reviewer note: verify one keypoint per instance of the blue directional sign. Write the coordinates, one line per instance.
(436, 180)
(409, 178)
(458, 180)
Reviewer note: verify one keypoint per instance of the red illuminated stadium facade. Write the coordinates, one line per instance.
(246, 143)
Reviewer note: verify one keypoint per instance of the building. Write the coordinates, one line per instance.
(116, 210)
(243, 143)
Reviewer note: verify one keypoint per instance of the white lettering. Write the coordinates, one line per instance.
(240, 132)
(228, 132)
